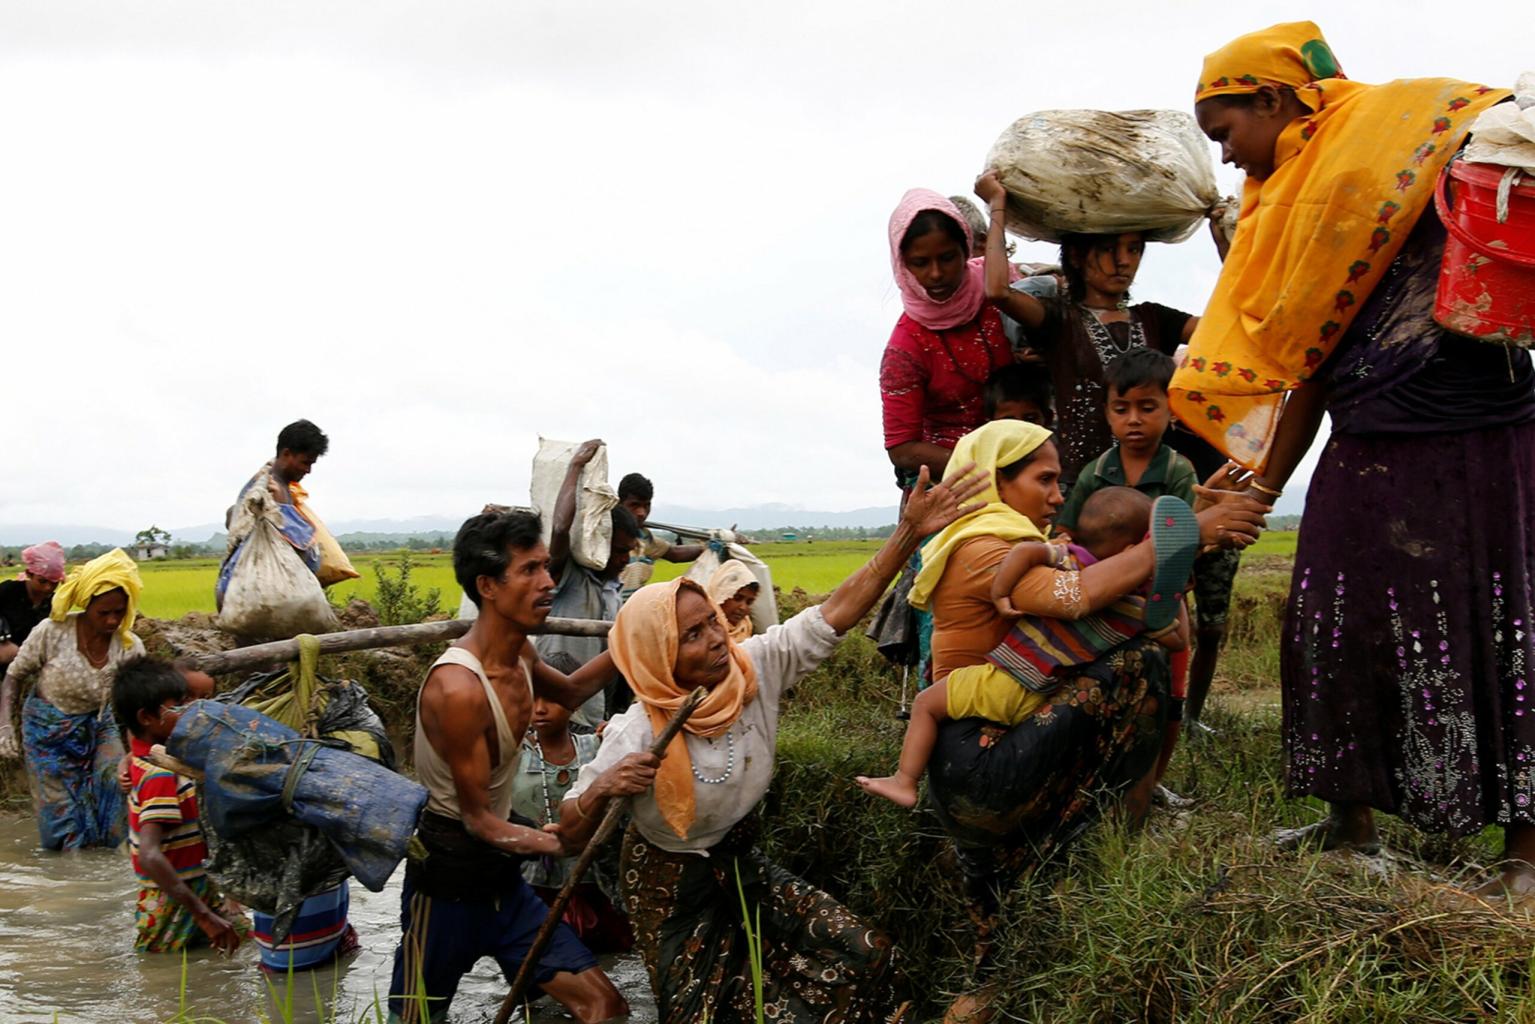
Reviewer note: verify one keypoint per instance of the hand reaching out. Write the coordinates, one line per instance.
(931, 508)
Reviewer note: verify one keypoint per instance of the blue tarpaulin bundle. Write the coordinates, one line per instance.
(260, 773)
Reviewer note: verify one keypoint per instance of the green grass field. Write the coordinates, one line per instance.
(173, 588)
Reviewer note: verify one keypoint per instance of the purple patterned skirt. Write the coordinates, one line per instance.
(1408, 653)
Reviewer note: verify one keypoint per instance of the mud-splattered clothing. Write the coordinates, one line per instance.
(69, 736)
(1408, 655)
(819, 961)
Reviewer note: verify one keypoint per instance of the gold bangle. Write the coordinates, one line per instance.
(580, 814)
(1265, 490)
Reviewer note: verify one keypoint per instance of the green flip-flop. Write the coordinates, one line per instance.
(1175, 536)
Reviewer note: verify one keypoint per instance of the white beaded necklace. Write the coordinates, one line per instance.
(730, 763)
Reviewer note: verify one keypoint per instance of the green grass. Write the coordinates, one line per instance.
(1275, 542)
(174, 588)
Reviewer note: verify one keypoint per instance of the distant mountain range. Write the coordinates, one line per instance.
(757, 517)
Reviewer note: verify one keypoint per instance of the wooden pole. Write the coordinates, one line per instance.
(281, 652)
(160, 759)
(605, 829)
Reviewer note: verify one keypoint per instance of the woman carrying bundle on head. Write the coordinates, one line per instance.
(1407, 641)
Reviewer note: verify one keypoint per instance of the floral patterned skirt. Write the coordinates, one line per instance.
(1408, 645)
(819, 961)
(165, 926)
(1022, 794)
(72, 771)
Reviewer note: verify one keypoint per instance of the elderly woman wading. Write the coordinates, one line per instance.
(693, 836)
(68, 733)
(1407, 646)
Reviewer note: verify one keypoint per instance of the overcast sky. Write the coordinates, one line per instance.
(441, 229)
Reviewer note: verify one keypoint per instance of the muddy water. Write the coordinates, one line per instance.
(66, 955)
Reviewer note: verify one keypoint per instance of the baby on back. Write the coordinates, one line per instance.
(1039, 652)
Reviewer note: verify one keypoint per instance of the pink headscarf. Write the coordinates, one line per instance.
(45, 560)
(966, 302)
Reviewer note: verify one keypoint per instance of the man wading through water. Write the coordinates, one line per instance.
(466, 898)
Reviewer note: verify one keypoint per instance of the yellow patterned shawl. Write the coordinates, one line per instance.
(1317, 235)
(997, 444)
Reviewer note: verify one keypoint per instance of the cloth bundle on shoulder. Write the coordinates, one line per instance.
(335, 566)
(764, 611)
(287, 816)
(268, 590)
(591, 534)
(1104, 172)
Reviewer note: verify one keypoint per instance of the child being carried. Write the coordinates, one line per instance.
(1038, 653)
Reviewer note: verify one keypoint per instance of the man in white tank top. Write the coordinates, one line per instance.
(467, 898)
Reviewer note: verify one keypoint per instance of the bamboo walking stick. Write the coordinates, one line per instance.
(604, 829)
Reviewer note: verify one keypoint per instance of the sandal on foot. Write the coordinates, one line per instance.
(1175, 536)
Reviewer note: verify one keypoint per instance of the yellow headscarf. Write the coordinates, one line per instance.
(108, 572)
(644, 646)
(1350, 179)
(730, 577)
(997, 444)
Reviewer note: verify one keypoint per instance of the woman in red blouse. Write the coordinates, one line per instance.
(946, 343)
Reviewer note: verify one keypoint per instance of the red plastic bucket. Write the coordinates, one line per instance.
(1487, 280)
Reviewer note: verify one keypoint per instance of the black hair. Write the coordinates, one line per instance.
(143, 684)
(633, 485)
(1246, 100)
(935, 220)
(1075, 249)
(1018, 382)
(624, 522)
(1138, 367)
(1113, 515)
(303, 437)
(485, 543)
(562, 661)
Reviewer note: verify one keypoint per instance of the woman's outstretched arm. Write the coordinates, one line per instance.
(928, 510)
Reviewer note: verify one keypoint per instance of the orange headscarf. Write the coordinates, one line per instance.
(644, 646)
(1350, 180)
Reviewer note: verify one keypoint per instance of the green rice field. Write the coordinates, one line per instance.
(173, 588)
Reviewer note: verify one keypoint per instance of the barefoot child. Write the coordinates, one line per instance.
(178, 905)
(1037, 654)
